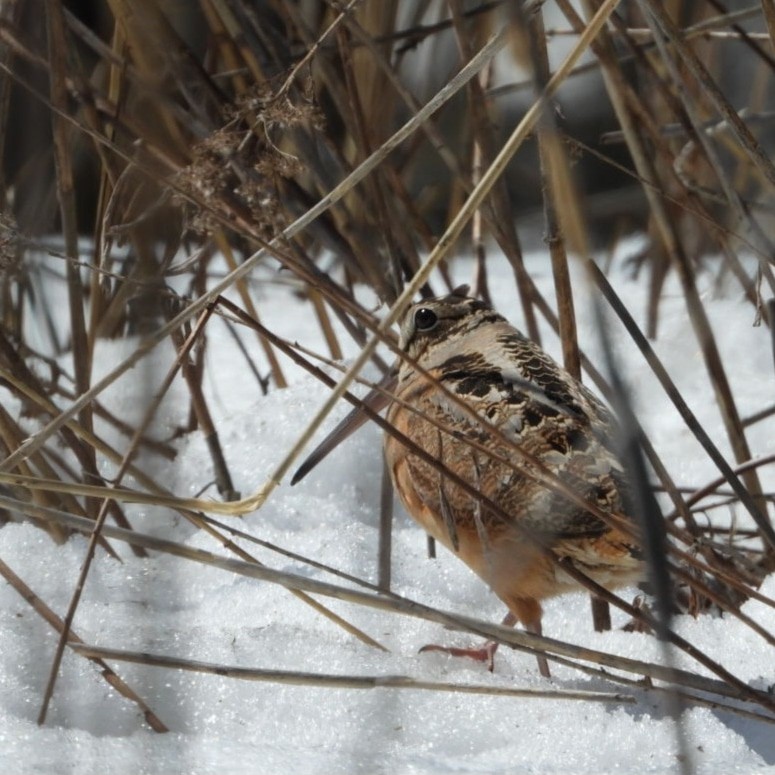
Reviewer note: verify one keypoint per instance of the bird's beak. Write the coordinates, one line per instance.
(375, 400)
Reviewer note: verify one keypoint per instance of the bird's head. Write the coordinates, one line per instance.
(443, 321)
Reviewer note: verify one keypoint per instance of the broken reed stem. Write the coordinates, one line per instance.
(324, 321)
(204, 420)
(58, 68)
(483, 144)
(496, 212)
(385, 543)
(294, 678)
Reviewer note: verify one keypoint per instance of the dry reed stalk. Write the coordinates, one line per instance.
(57, 51)
(406, 682)
(204, 420)
(9, 14)
(467, 35)
(294, 678)
(384, 546)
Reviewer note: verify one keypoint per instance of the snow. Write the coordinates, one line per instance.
(168, 606)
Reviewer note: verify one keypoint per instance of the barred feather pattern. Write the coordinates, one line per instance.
(510, 398)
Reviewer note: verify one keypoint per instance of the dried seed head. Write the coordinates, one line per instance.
(240, 168)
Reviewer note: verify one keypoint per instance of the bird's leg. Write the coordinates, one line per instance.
(543, 665)
(601, 614)
(528, 611)
(485, 653)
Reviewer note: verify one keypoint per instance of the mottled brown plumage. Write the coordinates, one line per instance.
(493, 409)
(509, 382)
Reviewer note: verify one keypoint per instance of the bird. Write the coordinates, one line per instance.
(508, 451)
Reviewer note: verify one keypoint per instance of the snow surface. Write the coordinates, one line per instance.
(177, 608)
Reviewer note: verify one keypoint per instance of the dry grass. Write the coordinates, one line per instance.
(169, 141)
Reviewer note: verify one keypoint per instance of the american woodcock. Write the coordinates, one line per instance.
(493, 410)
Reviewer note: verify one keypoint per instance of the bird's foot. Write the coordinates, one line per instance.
(484, 653)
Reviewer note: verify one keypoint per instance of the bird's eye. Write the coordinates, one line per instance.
(425, 319)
